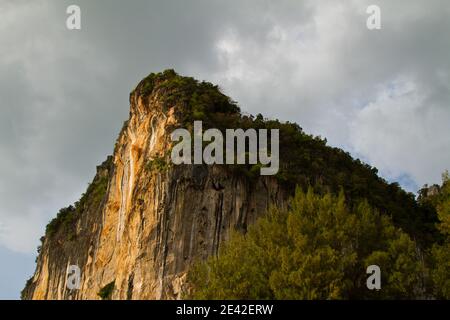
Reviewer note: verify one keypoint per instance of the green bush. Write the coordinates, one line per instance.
(440, 253)
(147, 85)
(66, 217)
(319, 248)
(106, 292)
(27, 285)
(194, 100)
(158, 163)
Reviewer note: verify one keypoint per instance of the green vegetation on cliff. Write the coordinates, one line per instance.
(106, 292)
(158, 163)
(64, 221)
(304, 159)
(194, 100)
(440, 252)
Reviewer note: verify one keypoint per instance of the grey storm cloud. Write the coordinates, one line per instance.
(383, 95)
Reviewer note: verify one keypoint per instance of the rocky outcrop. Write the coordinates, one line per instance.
(151, 223)
(144, 221)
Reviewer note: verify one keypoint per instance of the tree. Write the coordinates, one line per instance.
(318, 248)
(440, 273)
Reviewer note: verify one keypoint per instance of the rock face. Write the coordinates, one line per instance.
(150, 224)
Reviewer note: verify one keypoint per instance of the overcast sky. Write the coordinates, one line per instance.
(383, 95)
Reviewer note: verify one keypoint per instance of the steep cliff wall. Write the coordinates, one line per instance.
(151, 223)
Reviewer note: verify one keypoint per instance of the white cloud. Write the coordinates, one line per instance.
(400, 134)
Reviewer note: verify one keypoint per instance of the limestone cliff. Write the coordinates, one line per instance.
(143, 221)
(149, 224)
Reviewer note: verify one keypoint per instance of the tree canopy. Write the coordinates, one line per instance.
(317, 248)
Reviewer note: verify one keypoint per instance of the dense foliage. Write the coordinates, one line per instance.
(194, 100)
(319, 248)
(440, 252)
(158, 163)
(106, 292)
